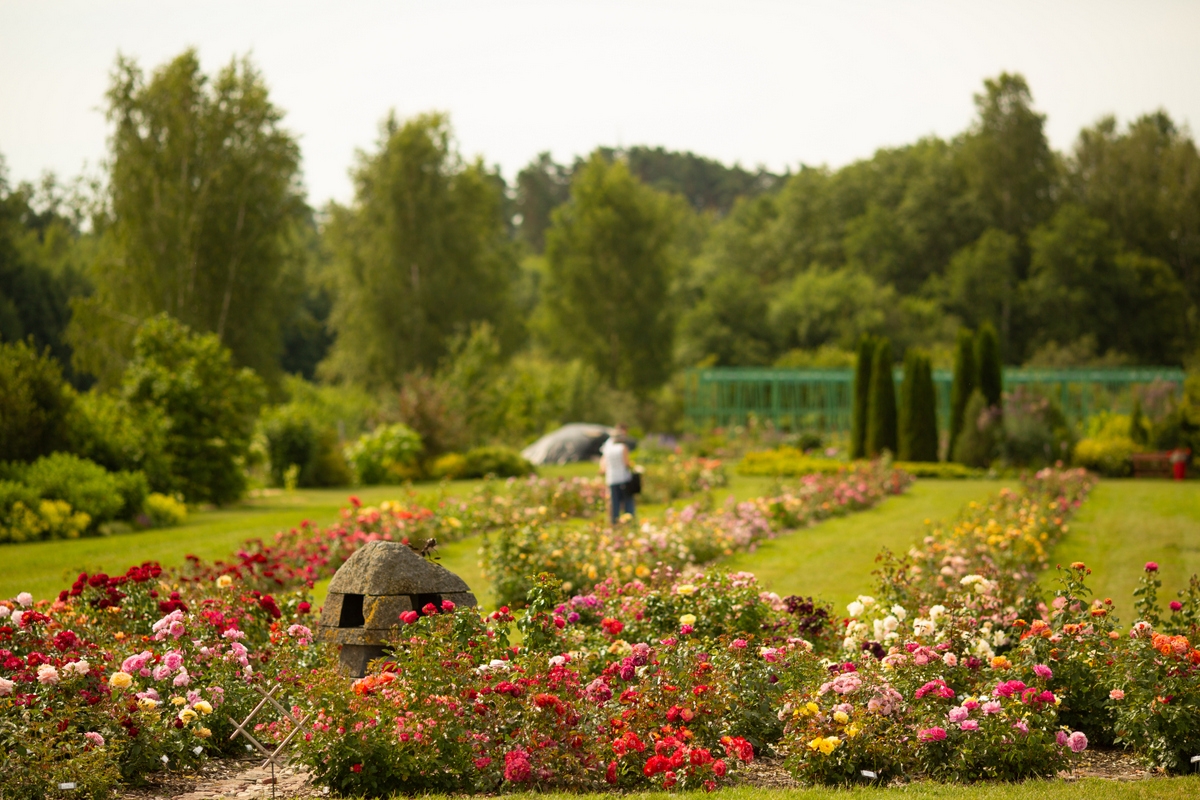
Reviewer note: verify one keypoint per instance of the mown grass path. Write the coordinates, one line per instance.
(1126, 523)
(833, 560)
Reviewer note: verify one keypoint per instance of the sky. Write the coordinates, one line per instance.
(776, 84)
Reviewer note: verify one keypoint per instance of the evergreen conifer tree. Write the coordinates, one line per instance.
(862, 391)
(881, 407)
(1137, 424)
(965, 380)
(918, 410)
(987, 356)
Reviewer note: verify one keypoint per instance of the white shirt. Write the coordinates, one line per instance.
(615, 471)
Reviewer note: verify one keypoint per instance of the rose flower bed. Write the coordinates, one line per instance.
(690, 537)
(666, 679)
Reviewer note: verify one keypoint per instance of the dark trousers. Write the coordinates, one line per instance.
(622, 500)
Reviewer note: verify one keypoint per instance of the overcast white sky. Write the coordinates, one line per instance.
(772, 83)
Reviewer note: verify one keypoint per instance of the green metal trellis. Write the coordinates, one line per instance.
(821, 399)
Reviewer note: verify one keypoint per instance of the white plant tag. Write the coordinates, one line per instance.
(66, 786)
(166, 760)
(1196, 759)
(197, 750)
(866, 773)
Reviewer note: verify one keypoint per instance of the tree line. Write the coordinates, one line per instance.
(492, 310)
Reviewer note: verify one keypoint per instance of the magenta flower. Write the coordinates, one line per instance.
(1151, 566)
(1077, 741)
(1176, 605)
(1043, 672)
(934, 734)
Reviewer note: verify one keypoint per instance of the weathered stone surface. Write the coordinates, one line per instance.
(384, 612)
(355, 657)
(391, 568)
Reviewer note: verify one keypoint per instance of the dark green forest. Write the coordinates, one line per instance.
(479, 311)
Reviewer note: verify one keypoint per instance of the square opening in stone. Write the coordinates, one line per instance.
(422, 600)
(352, 612)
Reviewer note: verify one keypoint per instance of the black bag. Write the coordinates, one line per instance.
(635, 483)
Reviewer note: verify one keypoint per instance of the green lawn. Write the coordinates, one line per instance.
(834, 560)
(45, 568)
(1126, 523)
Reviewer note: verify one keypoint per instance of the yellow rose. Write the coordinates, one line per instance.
(685, 589)
(146, 704)
(841, 717)
(224, 582)
(815, 744)
(828, 744)
(813, 708)
(187, 715)
(853, 730)
(687, 619)
(203, 733)
(203, 706)
(178, 701)
(120, 680)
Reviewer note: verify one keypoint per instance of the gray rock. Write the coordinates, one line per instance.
(390, 568)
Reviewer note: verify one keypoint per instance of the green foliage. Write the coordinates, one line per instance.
(918, 410)
(989, 364)
(35, 403)
(297, 439)
(1082, 282)
(388, 454)
(420, 254)
(611, 256)
(1108, 447)
(881, 406)
(203, 196)
(1036, 434)
(978, 443)
(107, 429)
(862, 394)
(85, 485)
(164, 511)
(981, 280)
(482, 462)
(942, 470)
(966, 378)
(1139, 428)
(41, 264)
(208, 405)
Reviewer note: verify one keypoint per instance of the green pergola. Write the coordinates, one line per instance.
(821, 399)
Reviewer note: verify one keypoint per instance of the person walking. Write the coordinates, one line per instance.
(618, 474)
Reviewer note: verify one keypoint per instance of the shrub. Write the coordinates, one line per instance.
(164, 511)
(35, 403)
(977, 444)
(966, 378)
(502, 462)
(881, 412)
(934, 469)
(987, 360)
(787, 462)
(209, 406)
(108, 430)
(1036, 433)
(1111, 457)
(389, 453)
(42, 520)
(862, 394)
(297, 441)
(86, 486)
(918, 411)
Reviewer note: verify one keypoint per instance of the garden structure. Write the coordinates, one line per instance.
(369, 594)
(822, 399)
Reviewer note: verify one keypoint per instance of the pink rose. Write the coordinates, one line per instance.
(1077, 740)
(931, 735)
(1043, 672)
(969, 725)
(1117, 694)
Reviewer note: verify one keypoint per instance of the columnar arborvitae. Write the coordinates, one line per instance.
(918, 410)
(1137, 424)
(987, 356)
(881, 406)
(965, 379)
(862, 391)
